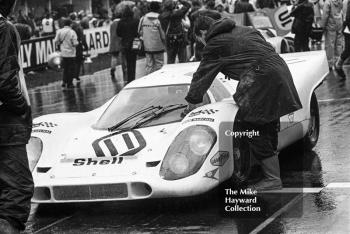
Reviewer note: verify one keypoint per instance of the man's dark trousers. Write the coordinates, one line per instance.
(16, 185)
(69, 70)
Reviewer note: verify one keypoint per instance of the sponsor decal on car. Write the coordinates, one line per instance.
(198, 119)
(119, 144)
(44, 124)
(42, 131)
(211, 174)
(203, 112)
(97, 161)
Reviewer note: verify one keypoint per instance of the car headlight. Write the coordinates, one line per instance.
(187, 152)
(34, 150)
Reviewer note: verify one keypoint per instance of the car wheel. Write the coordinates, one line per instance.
(311, 137)
(241, 165)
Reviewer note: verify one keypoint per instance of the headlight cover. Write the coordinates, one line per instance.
(34, 150)
(187, 152)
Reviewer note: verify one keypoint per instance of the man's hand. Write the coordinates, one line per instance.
(188, 109)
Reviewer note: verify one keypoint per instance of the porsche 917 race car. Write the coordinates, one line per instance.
(137, 145)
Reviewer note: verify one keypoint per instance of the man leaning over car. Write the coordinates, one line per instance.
(16, 182)
(265, 91)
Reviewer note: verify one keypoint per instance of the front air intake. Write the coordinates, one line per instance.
(90, 192)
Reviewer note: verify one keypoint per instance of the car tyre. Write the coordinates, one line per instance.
(311, 137)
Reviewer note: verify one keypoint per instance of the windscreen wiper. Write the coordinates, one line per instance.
(145, 110)
(158, 113)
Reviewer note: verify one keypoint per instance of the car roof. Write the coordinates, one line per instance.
(173, 74)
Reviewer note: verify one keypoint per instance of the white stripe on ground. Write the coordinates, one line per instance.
(295, 190)
(53, 224)
(334, 99)
(277, 213)
(338, 185)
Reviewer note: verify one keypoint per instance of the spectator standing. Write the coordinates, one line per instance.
(16, 182)
(24, 31)
(48, 25)
(243, 6)
(303, 14)
(318, 5)
(81, 47)
(66, 39)
(332, 22)
(153, 38)
(346, 52)
(127, 30)
(115, 48)
(221, 9)
(171, 22)
(196, 5)
(261, 4)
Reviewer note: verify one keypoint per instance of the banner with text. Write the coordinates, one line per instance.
(35, 52)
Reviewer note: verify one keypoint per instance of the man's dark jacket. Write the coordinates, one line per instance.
(265, 91)
(303, 14)
(15, 116)
(172, 19)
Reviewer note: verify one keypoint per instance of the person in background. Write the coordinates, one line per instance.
(127, 30)
(332, 22)
(66, 39)
(115, 48)
(153, 37)
(346, 52)
(24, 30)
(48, 26)
(16, 182)
(243, 6)
(81, 47)
(196, 5)
(303, 14)
(261, 4)
(221, 9)
(171, 22)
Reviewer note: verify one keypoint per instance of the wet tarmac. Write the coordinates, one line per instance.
(316, 198)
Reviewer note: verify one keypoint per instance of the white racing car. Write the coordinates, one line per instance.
(137, 146)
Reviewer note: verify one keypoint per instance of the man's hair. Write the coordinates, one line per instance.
(73, 16)
(154, 6)
(210, 4)
(6, 7)
(128, 13)
(169, 5)
(67, 22)
(204, 20)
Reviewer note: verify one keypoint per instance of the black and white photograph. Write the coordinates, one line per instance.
(174, 116)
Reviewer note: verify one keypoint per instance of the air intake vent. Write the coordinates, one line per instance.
(90, 192)
(152, 164)
(43, 169)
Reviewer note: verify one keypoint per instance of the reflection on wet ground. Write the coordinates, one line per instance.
(311, 212)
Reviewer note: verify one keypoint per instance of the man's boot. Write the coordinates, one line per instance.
(7, 228)
(271, 170)
(339, 68)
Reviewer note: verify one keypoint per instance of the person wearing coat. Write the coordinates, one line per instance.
(115, 48)
(16, 182)
(265, 91)
(127, 31)
(346, 52)
(332, 22)
(303, 14)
